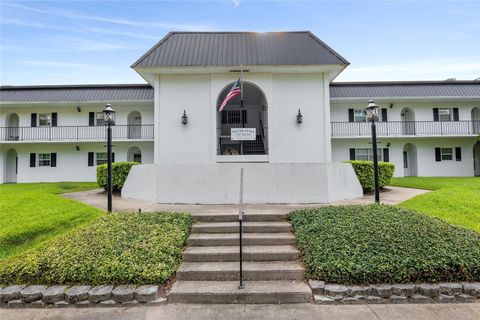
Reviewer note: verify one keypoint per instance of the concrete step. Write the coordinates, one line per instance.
(229, 217)
(252, 271)
(250, 253)
(232, 227)
(257, 292)
(232, 239)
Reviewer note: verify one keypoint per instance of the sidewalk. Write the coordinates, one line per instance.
(469, 311)
(97, 198)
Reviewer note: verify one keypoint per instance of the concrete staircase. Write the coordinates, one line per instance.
(210, 269)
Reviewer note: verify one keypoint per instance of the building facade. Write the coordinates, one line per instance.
(302, 126)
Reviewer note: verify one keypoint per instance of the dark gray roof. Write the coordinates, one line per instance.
(239, 48)
(407, 89)
(59, 93)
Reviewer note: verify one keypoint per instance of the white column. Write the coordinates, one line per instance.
(326, 115)
(156, 117)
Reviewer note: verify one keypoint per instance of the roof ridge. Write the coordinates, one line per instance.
(327, 47)
(155, 46)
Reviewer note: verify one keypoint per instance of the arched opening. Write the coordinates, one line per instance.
(12, 127)
(11, 167)
(476, 159)
(134, 122)
(476, 120)
(410, 160)
(234, 117)
(134, 154)
(408, 121)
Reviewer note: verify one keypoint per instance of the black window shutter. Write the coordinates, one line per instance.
(91, 118)
(435, 114)
(438, 154)
(53, 159)
(351, 117)
(384, 115)
(455, 114)
(32, 160)
(352, 154)
(113, 156)
(54, 119)
(90, 159)
(34, 120)
(458, 153)
(386, 154)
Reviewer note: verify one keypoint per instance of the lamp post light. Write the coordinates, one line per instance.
(109, 118)
(372, 116)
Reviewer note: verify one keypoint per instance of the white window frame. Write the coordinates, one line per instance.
(102, 161)
(48, 119)
(359, 115)
(44, 160)
(446, 153)
(449, 114)
(368, 154)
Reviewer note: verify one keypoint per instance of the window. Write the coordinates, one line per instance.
(366, 154)
(44, 159)
(447, 154)
(234, 116)
(100, 121)
(444, 115)
(360, 115)
(101, 158)
(44, 120)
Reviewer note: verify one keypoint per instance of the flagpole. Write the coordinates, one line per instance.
(241, 86)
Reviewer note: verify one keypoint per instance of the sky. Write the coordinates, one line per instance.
(84, 42)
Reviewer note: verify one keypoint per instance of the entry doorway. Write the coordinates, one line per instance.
(476, 159)
(11, 166)
(134, 122)
(134, 155)
(408, 121)
(476, 120)
(410, 160)
(12, 127)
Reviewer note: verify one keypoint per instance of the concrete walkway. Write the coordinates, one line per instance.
(97, 198)
(470, 311)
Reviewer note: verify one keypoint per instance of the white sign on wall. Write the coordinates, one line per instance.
(242, 134)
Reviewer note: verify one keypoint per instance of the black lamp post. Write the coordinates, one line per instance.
(109, 118)
(372, 116)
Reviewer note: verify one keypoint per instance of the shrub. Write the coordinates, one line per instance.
(120, 172)
(119, 248)
(364, 172)
(384, 244)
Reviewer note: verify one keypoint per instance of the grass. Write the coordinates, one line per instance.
(33, 213)
(384, 244)
(455, 200)
(118, 248)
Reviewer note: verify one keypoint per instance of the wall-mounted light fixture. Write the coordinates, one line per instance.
(391, 105)
(78, 148)
(299, 117)
(184, 118)
(79, 109)
(388, 144)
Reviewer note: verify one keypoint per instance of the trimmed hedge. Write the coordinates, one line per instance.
(120, 172)
(364, 172)
(119, 248)
(384, 244)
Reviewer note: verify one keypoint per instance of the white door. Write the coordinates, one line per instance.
(476, 159)
(11, 167)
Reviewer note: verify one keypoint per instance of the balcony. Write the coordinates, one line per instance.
(75, 133)
(406, 129)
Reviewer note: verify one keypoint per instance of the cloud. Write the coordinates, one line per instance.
(118, 21)
(236, 3)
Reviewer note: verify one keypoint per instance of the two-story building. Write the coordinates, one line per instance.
(304, 125)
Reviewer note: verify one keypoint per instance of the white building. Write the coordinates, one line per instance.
(55, 133)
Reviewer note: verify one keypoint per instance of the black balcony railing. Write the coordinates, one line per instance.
(76, 133)
(407, 128)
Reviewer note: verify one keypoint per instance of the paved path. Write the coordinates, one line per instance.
(469, 311)
(97, 198)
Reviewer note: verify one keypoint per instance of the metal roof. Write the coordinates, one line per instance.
(239, 48)
(407, 89)
(65, 93)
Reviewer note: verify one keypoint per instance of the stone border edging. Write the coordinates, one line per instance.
(451, 292)
(41, 296)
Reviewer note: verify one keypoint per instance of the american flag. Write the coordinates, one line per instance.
(235, 91)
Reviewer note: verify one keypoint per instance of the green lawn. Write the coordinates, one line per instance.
(384, 244)
(118, 248)
(455, 200)
(32, 213)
